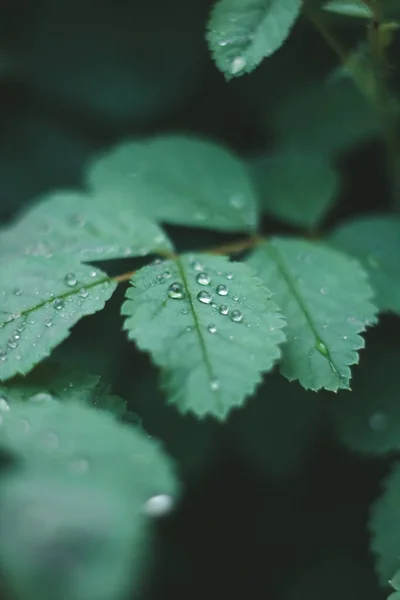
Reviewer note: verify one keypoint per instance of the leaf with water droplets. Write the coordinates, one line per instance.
(368, 420)
(241, 33)
(87, 481)
(326, 299)
(180, 180)
(214, 352)
(39, 318)
(385, 530)
(375, 242)
(84, 228)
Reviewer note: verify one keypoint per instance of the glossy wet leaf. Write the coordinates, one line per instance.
(326, 300)
(298, 188)
(41, 299)
(213, 340)
(384, 528)
(375, 241)
(180, 180)
(79, 506)
(82, 227)
(241, 33)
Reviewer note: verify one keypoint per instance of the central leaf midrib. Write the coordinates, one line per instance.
(279, 261)
(28, 311)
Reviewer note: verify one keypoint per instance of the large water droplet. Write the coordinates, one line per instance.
(58, 304)
(4, 406)
(204, 297)
(322, 349)
(236, 316)
(158, 506)
(214, 384)
(176, 291)
(212, 328)
(238, 64)
(41, 397)
(223, 309)
(378, 422)
(222, 290)
(70, 279)
(203, 279)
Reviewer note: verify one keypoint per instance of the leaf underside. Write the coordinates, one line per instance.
(241, 33)
(210, 361)
(41, 299)
(326, 300)
(85, 228)
(180, 180)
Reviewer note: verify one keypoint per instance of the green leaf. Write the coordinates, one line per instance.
(180, 180)
(375, 242)
(210, 325)
(41, 299)
(241, 33)
(85, 228)
(326, 300)
(277, 427)
(297, 188)
(368, 420)
(349, 8)
(74, 521)
(49, 382)
(326, 118)
(384, 528)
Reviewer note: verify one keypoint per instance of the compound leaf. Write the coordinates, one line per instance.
(90, 484)
(375, 242)
(384, 528)
(297, 188)
(241, 33)
(41, 299)
(85, 228)
(210, 325)
(180, 180)
(326, 299)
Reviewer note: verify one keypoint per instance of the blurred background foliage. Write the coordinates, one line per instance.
(275, 505)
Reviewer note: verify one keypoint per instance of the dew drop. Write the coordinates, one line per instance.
(17, 292)
(378, 422)
(4, 406)
(212, 328)
(70, 279)
(236, 316)
(167, 274)
(214, 305)
(229, 275)
(197, 266)
(58, 304)
(12, 344)
(223, 43)
(83, 293)
(176, 291)
(203, 279)
(321, 347)
(204, 297)
(160, 278)
(223, 309)
(80, 465)
(49, 322)
(41, 397)
(93, 273)
(214, 384)
(222, 290)
(158, 506)
(189, 328)
(3, 356)
(235, 298)
(184, 310)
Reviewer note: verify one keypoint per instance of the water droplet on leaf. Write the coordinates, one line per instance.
(236, 316)
(70, 279)
(17, 292)
(223, 309)
(322, 349)
(41, 397)
(238, 64)
(229, 275)
(212, 328)
(222, 290)
(204, 297)
(49, 322)
(58, 304)
(203, 279)
(214, 384)
(176, 291)
(158, 506)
